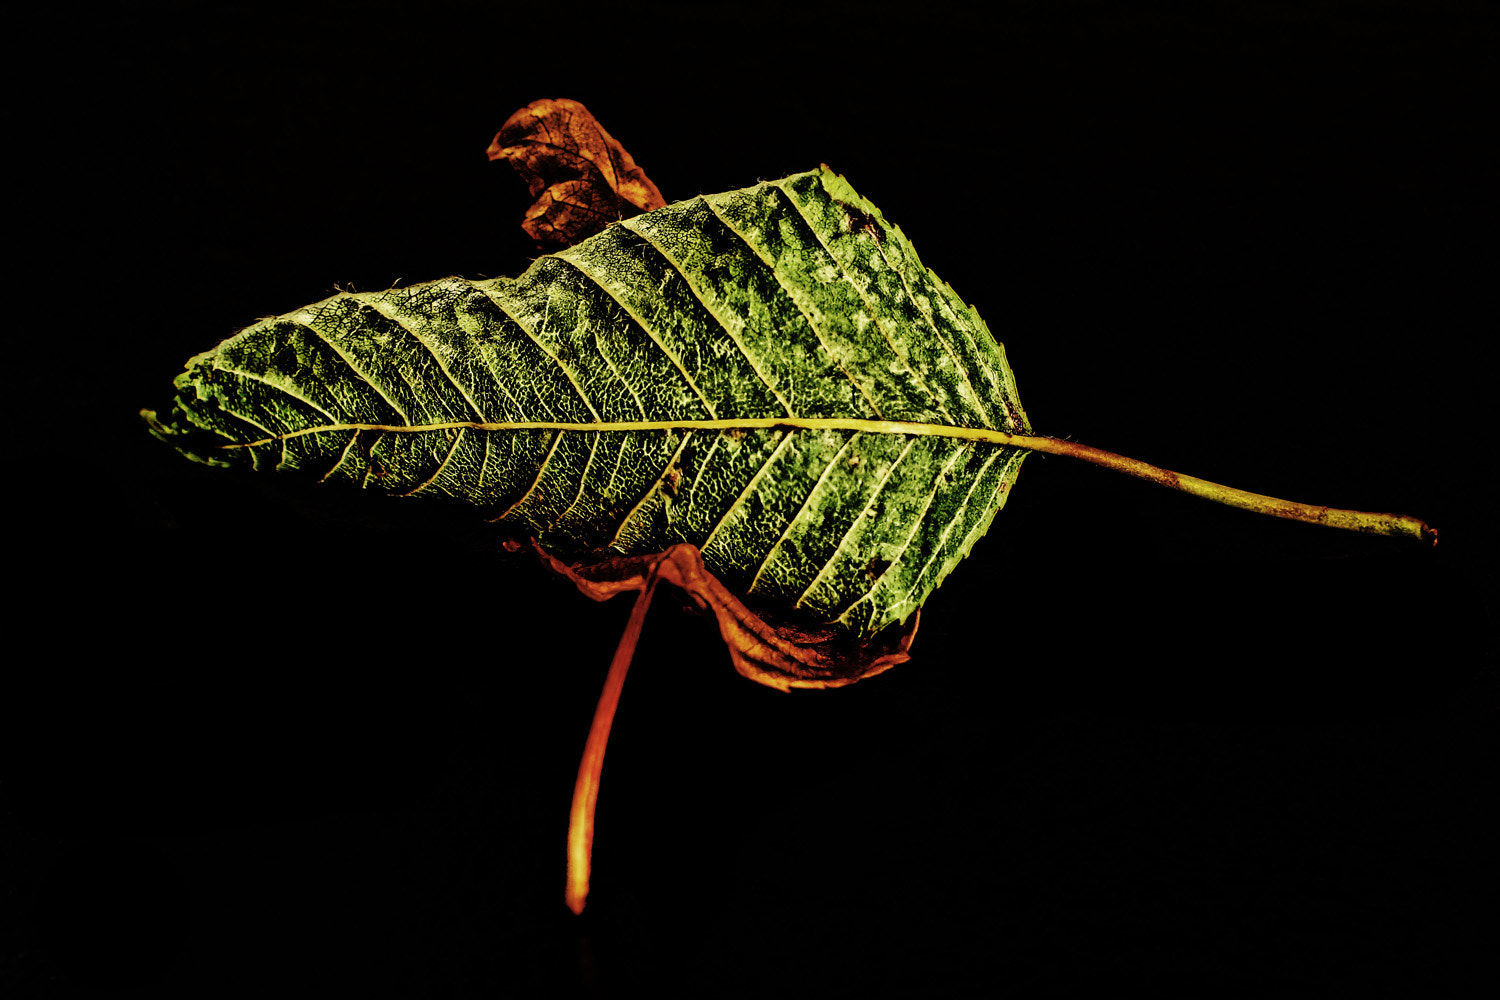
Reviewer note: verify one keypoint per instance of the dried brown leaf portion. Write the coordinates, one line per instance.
(781, 655)
(580, 175)
(778, 651)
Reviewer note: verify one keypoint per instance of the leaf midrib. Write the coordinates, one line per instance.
(723, 424)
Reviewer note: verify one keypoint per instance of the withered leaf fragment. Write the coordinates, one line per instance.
(580, 175)
(778, 655)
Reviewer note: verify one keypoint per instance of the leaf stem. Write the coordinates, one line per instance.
(586, 788)
(1333, 517)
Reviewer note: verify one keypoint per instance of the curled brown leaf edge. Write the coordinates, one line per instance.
(579, 174)
(782, 655)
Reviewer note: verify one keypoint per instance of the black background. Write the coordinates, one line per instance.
(289, 738)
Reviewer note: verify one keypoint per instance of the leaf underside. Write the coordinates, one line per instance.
(749, 352)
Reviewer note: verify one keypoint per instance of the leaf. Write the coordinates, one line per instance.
(581, 177)
(769, 375)
(758, 394)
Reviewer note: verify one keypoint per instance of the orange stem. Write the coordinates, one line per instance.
(586, 789)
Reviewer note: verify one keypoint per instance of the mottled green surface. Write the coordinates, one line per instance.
(791, 299)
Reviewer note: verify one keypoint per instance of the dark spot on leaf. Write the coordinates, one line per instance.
(858, 221)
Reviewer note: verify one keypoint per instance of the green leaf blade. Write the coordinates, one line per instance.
(719, 372)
